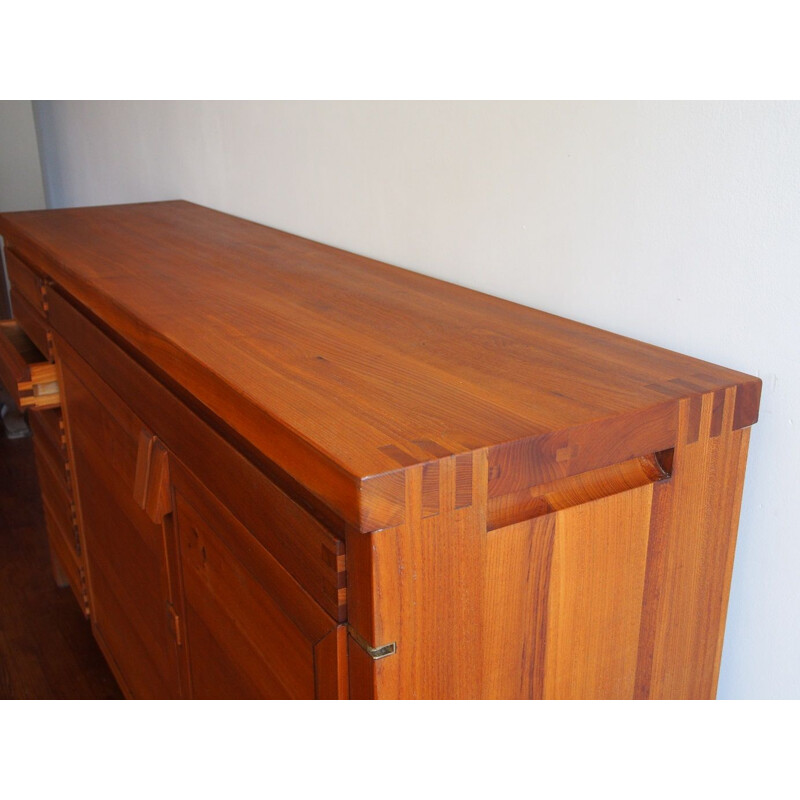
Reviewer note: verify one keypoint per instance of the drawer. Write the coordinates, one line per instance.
(24, 371)
(55, 496)
(31, 322)
(61, 547)
(48, 445)
(49, 424)
(27, 282)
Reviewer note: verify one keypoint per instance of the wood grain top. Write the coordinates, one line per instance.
(345, 371)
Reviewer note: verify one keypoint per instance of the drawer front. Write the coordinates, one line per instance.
(31, 322)
(306, 548)
(27, 281)
(251, 631)
(61, 520)
(54, 490)
(61, 547)
(49, 447)
(49, 425)
(27, 375)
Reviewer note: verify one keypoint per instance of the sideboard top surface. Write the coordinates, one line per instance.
(367, 368)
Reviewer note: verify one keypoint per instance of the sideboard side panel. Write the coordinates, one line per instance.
(620, 596)
(690, 555)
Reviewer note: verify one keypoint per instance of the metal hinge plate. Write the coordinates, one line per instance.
(375, 653)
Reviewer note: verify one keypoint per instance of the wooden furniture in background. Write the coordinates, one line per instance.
(284, 470)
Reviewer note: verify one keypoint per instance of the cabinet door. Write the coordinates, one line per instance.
(251, 631)
(132, 612)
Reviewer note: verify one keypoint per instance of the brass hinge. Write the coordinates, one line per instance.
(375, 653)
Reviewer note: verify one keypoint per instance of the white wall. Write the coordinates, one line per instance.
(20, 174)
(678, 224)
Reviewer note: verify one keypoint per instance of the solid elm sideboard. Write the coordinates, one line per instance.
(271, 468)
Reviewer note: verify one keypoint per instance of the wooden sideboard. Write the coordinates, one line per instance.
(271, 468)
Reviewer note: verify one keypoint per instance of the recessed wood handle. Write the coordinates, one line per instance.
(151, 488)
(583, 488)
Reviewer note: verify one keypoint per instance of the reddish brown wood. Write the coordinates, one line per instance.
(27, 281)
(31, 321)
(278, 335)
(530, 507)
(595, 595)
(251, 630)
(331, 667)
(690, 558)
(46, 427)
(363, 673)
(65, 564)
(599, 594)
(576, 490)
(142, 469)
(125, 550)
(55, 496)
(151, 479)
(55, 480)
(59, 575)
(311, 552)
(25, 372)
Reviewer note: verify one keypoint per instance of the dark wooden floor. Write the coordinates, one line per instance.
(46, 646)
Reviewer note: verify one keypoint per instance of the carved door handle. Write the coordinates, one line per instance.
(151, 488)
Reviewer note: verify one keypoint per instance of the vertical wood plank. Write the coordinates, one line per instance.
(427, 591)
(692, 540)
(515, 601)
(595, 597)
(330, 665)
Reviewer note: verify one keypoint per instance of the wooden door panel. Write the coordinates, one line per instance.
(564, 599)
(595, 594)
(251, 630)
(125, 550)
